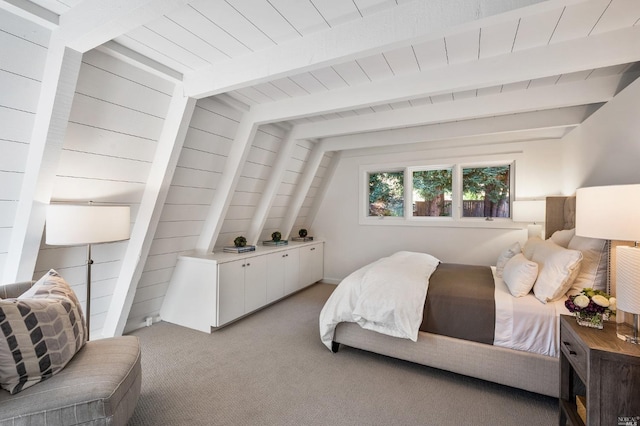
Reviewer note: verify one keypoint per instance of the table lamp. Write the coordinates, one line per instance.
(612, 213)
(532, 211)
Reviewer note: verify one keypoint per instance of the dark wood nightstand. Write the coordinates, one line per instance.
(602, 368)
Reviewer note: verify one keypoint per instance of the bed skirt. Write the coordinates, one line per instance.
(523, 370)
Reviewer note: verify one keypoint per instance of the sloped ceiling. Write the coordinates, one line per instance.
(333, 67)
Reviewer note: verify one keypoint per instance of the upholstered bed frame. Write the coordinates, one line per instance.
(519, 369)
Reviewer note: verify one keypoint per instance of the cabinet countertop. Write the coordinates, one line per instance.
(220, 256)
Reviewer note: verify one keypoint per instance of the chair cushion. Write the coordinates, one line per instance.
(99, 386)
(42, 330)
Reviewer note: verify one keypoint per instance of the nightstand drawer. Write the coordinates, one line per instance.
(574, 351)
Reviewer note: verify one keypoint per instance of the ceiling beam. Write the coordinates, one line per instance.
(547, 97)
(227, 185)
(60, 77)
(166, 157)
(415, 21)
(31, 12)
(138, 60)
(536, 120)
(93, 22)
(595, 51)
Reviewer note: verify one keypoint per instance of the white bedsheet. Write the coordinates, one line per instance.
(373, 297)
(526, 324)
(386, 296)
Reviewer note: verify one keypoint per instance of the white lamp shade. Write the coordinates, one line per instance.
(608, 212)
(628, 279)
(529, 211)
(69, 224)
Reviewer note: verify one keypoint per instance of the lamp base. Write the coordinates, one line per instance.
(534, 231)
(627, 327)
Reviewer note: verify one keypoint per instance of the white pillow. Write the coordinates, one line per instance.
(563, 237)
(505, 256)
(593, 269)
(519, 275)
(557, 269)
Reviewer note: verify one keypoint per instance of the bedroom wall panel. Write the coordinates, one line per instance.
(206, 147)
(303, 218)
(251, 184)
(20, 81)
(350, 245)
(605, 149)
(116, 118)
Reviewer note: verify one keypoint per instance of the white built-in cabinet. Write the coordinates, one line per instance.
(212, 290)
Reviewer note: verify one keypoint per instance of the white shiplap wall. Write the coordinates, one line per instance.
(20, 80)
(206, 147)
(303, 220)
(253, 180)
(117, 116)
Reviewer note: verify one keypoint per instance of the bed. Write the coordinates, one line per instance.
(522, 351)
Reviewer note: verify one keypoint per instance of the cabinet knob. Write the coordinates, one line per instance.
(248, 264)
(313, 248)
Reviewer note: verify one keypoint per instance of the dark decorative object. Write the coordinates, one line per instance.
(276, 236)
(240, 241)
(302, 233)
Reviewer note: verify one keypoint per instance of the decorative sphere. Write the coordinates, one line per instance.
(276, 236)
(240, 241)
(302, 233)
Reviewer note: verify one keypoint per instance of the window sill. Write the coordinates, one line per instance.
(441, 222)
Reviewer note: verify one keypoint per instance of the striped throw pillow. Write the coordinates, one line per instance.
(41, 332)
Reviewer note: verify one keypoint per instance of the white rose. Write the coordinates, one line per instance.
(612, 303)
(600, 300)
(581, 301)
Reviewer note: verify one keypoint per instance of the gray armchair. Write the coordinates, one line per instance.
(99, 386)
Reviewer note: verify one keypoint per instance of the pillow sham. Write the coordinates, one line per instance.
(43, 329)
(593, 269)
(563, 237)
(557, 269)
(519, 275)
(505, 256)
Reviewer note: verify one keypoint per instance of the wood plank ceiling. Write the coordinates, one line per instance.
(199, 39)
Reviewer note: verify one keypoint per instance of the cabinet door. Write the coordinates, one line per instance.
(275, 276)
(230, 291)
(255, 283)
(292, 271)
(311, 264)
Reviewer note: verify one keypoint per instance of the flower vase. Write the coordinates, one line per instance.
(590, 320)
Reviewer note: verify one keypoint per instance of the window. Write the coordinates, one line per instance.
(386, 194)
(459, 194)
(432, 190)
(485, 191)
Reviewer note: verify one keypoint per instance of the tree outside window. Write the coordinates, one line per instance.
(386, 194)
(432, 192)
(486, 191)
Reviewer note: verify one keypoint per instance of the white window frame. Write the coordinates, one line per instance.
(364, 193)
(455, 220)
(410, 201)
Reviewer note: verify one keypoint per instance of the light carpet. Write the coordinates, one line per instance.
(270, 368)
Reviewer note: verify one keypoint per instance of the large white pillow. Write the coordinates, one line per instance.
(593, 269)
(505, 256)
(519, 275)
(557, 269)
(563, 237)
